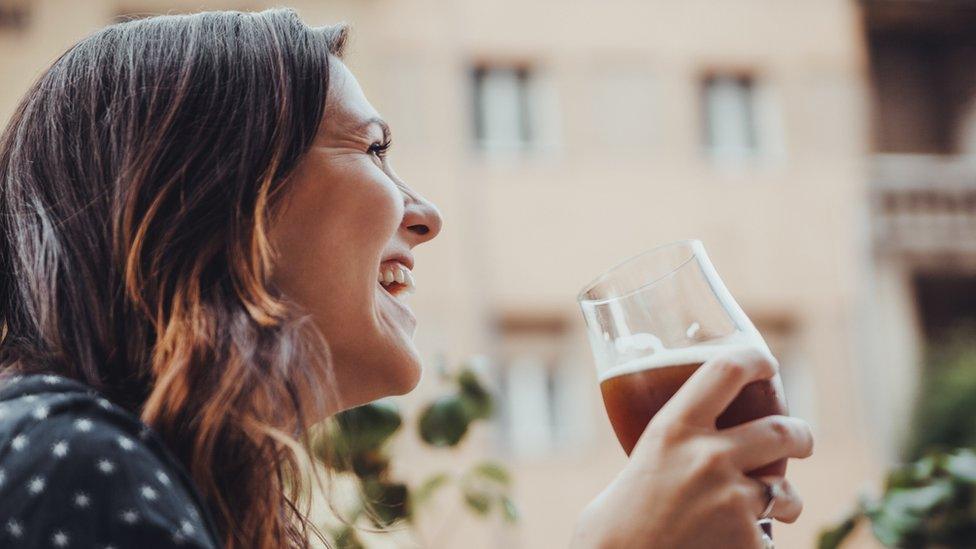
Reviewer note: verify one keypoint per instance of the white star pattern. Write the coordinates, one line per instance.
(162, 477)
(125, 443)
(129, 516)
(19, 442)
(148, 492)
(36, 485)
(82, 500)
(60, 539)
(106, 466)
(59, 449)
(15, 528)
(118, 453)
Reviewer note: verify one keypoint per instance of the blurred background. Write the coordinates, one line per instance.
(824, 151)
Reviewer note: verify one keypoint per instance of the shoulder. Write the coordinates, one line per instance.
(77, 469)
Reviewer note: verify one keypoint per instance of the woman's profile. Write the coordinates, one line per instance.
(203, 251)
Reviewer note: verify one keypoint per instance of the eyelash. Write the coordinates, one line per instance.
(379, 148)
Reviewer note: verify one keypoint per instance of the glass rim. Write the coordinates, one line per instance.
(691, 242)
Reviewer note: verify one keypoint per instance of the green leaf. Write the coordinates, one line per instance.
(478, 501)
(962, 465)
(430, 486)
(493, 472)
(900, 519)
(892, 530)
(484, 485)
(509, 510)
(922, 500)
(926, 467)
(388, 501)
(368, 427)
(832, 537)
(370, 464)
(477, 400)
(444, 423)
(928, 503)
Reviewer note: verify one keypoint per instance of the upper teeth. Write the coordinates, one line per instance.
(397, 273)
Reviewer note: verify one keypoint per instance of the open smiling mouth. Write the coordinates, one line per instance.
(396, 279)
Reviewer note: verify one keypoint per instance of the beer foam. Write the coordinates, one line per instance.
(665, 358)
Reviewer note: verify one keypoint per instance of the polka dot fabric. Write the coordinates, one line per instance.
(78, 471)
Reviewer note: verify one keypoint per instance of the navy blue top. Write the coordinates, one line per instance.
(79, 471)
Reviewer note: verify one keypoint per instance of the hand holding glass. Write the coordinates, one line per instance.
(656, 318)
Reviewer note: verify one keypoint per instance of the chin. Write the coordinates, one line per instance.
(392, 372)
(406, 375)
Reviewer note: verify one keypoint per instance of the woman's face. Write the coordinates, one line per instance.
(344, 237)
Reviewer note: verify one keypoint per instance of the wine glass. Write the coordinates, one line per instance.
(652, 321)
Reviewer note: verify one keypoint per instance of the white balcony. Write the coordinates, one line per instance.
(924, 204)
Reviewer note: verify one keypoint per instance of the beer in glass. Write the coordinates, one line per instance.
(652, 321)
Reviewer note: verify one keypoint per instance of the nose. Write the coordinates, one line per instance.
(421, 219)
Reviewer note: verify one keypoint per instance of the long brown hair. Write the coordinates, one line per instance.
(138, 177)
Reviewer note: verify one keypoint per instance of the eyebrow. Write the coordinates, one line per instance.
(378, 122)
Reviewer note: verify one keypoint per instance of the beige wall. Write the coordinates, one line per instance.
(523, 234)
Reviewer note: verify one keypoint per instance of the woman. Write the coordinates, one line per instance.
(203, 249)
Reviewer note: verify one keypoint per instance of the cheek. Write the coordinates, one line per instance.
(332, 231)
(330, 239)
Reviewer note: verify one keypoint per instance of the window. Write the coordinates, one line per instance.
(540, 405)
(513, 108)
(14, 14)
(501, 98)
(544, 395)
(741, 119)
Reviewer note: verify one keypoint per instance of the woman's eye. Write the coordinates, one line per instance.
(379, 149)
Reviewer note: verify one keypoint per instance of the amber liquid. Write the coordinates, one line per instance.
(633, 398)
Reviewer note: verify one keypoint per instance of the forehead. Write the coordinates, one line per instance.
(346, 103)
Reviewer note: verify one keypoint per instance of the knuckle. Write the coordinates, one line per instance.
(765, 363)
(793, 433)
(669, 433)
(781, 429)
(731, 368)
(746, 363)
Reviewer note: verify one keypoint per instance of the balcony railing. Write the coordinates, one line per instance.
(923, 203)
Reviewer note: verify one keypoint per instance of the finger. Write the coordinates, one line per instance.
(768, 439)
(787, 504)
(710, 390)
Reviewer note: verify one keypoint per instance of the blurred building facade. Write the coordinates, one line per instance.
(822, 150)
(922, 193)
